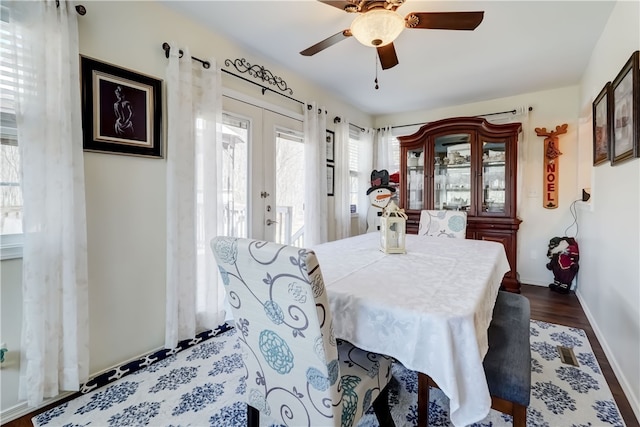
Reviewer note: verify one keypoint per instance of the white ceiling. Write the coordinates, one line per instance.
(520, 47)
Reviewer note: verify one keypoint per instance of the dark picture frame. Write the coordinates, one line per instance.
(331, 175)
(121, 110)
(331, 146)
(625, 97)
(602, 110)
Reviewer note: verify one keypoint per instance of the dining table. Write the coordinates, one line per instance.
(428, 308)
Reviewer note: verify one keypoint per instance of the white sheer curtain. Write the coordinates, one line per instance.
(342, 202)
(194, 208)
(315, 178)
(384, 151)
(365, 167)
(55, 318)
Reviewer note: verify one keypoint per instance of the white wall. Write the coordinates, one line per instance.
(126, 195)
(610, 244)
(10, 321)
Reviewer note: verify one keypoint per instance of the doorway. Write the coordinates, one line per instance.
(262, 172)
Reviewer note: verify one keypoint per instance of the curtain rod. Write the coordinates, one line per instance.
(264, 88)
(79, 8)
(167, 48)
(206, 64)
(337, 119)
(514, 111)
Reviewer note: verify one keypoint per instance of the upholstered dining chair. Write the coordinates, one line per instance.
(443, 223)
(297, 372)
(507, 364)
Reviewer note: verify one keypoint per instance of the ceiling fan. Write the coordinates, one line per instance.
(378, 24)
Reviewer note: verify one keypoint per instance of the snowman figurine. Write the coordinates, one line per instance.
(379, 195)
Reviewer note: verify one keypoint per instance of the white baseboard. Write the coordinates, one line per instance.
(628, 392)
(22, 409)
(531, 281)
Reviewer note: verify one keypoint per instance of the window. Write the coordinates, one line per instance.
(10, 191)
(356, 156)
(395, 155)
(354, 188)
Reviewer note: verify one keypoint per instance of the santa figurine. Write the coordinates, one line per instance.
(379, 194)
(564, 255)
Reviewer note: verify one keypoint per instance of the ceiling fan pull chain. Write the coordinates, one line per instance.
(376, 67)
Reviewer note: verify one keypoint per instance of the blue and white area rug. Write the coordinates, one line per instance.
(202, 385)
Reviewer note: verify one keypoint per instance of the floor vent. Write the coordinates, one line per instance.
(567, 356)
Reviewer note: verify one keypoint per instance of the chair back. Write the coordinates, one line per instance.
(281, 311)
(443, 223)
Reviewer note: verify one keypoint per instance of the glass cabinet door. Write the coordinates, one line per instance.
(452, 172)
(415, 178)
(494, 177)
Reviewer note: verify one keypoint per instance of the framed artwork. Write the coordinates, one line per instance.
(626, 103)
(121, 110)
(602, 118)
(331, 145)
(331, 174)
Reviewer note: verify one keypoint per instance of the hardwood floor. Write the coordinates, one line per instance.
(547, 306)
(553, 307)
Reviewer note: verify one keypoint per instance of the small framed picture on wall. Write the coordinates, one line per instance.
(626, 103)
(602, 116)
(331, 174)
(331, 146)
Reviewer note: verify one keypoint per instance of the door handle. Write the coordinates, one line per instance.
(270, 222)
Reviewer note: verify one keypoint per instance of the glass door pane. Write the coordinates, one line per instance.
(493, 177)
(289, 188)
(415, 178)
(452, 172)
(235, 163)
(263, 157)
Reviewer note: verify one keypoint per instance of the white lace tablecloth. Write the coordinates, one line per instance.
(429, 308)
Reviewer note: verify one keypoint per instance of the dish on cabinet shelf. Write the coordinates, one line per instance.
(493, 156)
(458, 165)
(495, 207)
(486, 163)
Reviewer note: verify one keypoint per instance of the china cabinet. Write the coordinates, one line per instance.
(469, 164)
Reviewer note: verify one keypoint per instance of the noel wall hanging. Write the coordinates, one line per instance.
(551, 165)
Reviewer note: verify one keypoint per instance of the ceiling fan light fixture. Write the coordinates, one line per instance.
(377, 27)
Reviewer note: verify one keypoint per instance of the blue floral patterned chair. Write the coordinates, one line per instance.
(298, 373)
(443, 223)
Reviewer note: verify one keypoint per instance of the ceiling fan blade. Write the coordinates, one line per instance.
(387, 55)
(444, 20)
(318, 47)
(340, 4)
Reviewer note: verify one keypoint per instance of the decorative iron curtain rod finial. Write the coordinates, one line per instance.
(261, 73)
(206, 64)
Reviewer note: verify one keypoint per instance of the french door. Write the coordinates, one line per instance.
(263, 185)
